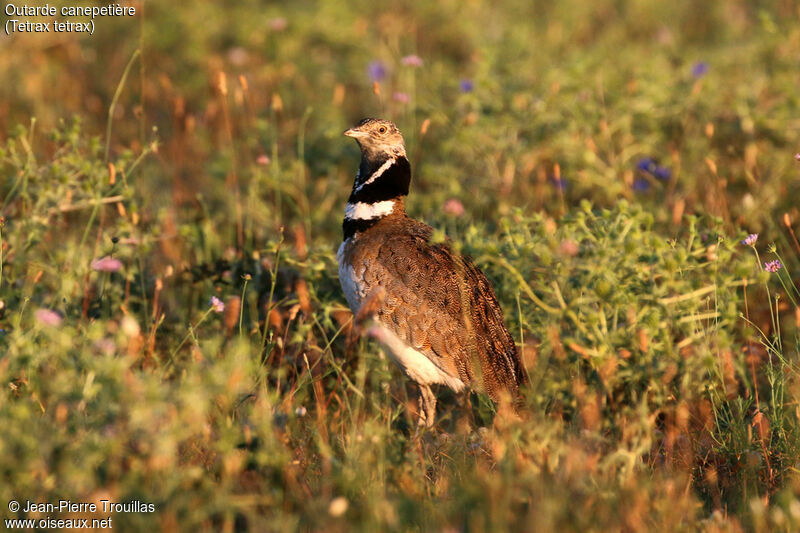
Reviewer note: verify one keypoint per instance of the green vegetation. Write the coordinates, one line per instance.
(601, 161)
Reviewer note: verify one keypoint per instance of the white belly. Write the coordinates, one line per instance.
(414, 364)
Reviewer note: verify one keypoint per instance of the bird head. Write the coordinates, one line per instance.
(379, 139)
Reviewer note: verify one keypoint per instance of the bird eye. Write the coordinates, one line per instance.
(382, 130)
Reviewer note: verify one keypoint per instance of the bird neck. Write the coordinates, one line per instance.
(378, 191)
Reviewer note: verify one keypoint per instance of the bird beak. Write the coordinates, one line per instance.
(352, 132)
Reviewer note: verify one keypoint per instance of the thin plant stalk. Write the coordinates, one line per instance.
(114, 100)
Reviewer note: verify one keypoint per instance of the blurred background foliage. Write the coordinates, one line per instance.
(600, 161)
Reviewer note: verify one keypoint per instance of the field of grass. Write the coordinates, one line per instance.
(172, 329)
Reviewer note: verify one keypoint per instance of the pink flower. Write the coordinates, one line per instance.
(263, 160)
(569, 247)
(278, 24)
(454, 207)
(216, 304)
(238, 56)
(107, 264)
(105, 346)
(412, 61)
(47, 317)
(773, 266)
(403, 98)
(751, 239)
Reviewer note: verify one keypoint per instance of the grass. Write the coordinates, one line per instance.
(202, 149)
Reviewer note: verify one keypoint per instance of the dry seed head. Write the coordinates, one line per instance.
(231, 316)
(338, 94)
(222, 84)
(425, 125)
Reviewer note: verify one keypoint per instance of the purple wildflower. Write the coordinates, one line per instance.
(560, 183)
(403, 98)
(106, 264)
(797, 157)
(751, 239)
(216, 304)
(376, 70)
(641, 185)
(699, 69)
(662, 173)
(47, 317)
(646, 165)
(412, 61)
(773, 266)
(649, 166)
(466, 85)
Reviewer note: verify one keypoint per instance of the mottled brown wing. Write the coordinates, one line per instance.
(422, 277)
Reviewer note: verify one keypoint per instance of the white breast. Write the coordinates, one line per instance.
(349, 279)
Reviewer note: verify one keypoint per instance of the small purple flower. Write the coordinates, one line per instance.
(649, 165)
(641, 185)
(662, 173)
(773, 266)
(751, 239)
(403, 98)
(47, 317)
(466, 85)
(699, 69)
(106, 264)
(797, 157)
(646, 165)
(412, 61)
(376, 70)
(560, 184)
(216, 304)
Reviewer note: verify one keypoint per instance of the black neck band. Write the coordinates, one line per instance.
(393, 182)
(351, 226)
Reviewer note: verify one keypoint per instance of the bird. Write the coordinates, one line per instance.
(432, 309)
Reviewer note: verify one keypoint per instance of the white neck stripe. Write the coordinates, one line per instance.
(364, 211)
(377, 174)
